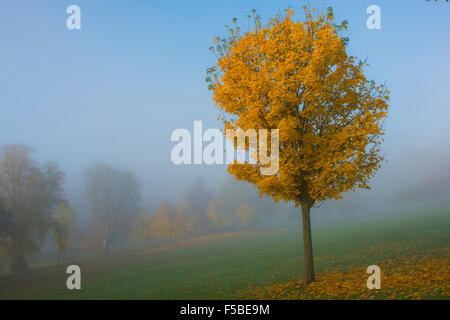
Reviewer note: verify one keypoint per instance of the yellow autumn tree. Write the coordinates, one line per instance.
(142, 226)
(169, 222)
(217, 215)
(295, 75)
(246, 215)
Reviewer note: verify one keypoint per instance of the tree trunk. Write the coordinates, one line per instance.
(307, 243)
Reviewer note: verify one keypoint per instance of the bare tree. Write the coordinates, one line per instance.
(114, 196)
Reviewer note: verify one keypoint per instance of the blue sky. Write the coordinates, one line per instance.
(116, 89)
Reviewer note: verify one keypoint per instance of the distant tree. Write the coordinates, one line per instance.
(232, 194)
(113, 196)
(194, 203)
(296, 76)
(64, 228)
(142, 226)
(247, 215)
(90, 237)
(6, 225)
(217, 215)
(169, 222)
(30, 193)
(6, 228)
(182, 224)
(162, 226)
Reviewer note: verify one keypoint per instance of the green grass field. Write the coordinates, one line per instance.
(226, 266)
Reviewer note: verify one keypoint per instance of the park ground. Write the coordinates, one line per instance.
(412, 251)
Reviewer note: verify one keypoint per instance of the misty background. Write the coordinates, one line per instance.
(114, 91)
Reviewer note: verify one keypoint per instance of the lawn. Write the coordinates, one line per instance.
(264, 264)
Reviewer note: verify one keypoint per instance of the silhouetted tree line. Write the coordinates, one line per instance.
(33, 209)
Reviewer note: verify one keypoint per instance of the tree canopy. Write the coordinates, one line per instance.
(296, 76)
(114, 197)
(63, 227)
(30, 193)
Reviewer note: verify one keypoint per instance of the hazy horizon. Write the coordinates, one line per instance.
(114, 91)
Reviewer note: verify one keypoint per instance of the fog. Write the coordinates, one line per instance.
(114, 91)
